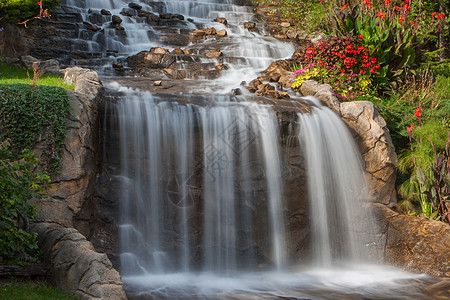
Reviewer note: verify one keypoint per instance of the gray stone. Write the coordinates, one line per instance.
(116, 19)
(50, 66)
(27, 61)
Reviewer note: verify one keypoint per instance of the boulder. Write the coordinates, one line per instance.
(210, 31)
(213, 54)
(222, 32)
(378, 153)
(171, 16)
(75, 266)
(221, 67)
(158, 58)
(116, 19)
(105, 12)
(134, 6)
(27, 61)
(324, 92)
(50, 66)
(414, 243)
(249, 25)
(221, 20)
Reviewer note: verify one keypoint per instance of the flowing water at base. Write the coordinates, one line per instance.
(349, 282)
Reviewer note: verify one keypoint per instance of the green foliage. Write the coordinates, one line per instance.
(18, 184)
(15, 11)
(395, 32)
(307, 14)
(342, 62)
(31, 291)
(12, 74)
(29, 115)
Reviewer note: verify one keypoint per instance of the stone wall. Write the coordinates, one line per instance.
(75, 266)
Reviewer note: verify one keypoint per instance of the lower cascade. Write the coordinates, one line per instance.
(203, 214)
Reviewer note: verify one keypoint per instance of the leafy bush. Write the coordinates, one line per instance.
(18, 184)
(343, 62)
(31, 290)
(29, 115)
(15, 11)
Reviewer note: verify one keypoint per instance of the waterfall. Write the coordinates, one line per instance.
(336, 186)
(187, 202)
(205, 211)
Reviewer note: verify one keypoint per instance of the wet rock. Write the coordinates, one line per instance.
(119, 28)
(213, 54)
(127, 12)
(186, 51)
(254, 84)
(265, 87)
(222, 32)
(158, 58)
(152, 19)
(236, 92)
(249, 25)
(171, 16)
(157, 83)
(135, 6)
(221, 20)
(117, 65)
(278, 72)
(221, 67)
(91, 27)
(199, 33)
(177, 51)
(116, 19)
(285, 24)
(210, 31)
(105, 12)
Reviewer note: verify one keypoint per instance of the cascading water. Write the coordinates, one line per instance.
(203, 207)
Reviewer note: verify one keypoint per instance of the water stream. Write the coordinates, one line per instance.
(203, 211)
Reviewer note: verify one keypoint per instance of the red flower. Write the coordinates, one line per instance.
(40, 3)
(410, 129)
(418, 112)
(344, 7)
(440, 16)
(401, 19)
(381, 15)
(387, 2)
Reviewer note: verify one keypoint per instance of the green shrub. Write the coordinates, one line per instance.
(29, 115)
(18, 184)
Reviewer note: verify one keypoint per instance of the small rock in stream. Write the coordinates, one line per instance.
(157, 83)
(116, 19)
(221, 20)
(214, 54)
(249, 25)
(222, 32)
(105, 12)
(135, 6)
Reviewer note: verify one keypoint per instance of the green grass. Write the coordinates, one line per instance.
(31, 291)
(12, 74)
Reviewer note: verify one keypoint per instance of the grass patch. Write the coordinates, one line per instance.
(12, 74)
(31, 291)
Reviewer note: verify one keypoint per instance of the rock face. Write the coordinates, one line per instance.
(376, 147)
(75, 266)
(416, 244)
